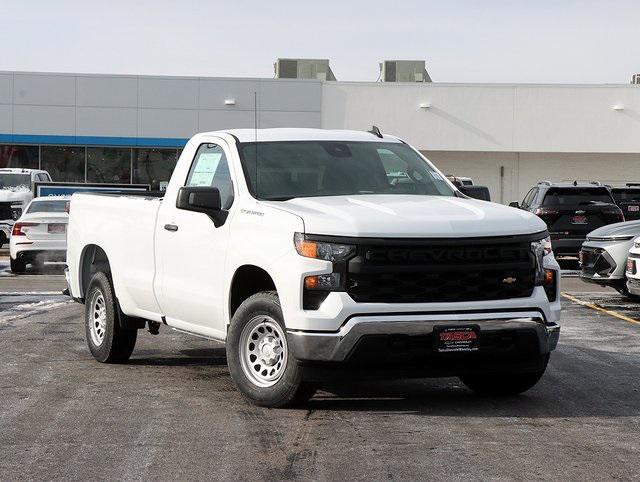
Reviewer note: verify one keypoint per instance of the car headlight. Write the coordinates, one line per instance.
(636, 244)
(317, 287)
(16, 210)
(610, 238)
(540, 248)
(320, 250)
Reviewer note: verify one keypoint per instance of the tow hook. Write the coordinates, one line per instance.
(154, 327)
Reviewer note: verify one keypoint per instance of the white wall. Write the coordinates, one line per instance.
(492, 118)
(524, 170)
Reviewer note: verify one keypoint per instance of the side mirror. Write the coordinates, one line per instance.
(202, 200)
(476, 192)
(514, 204)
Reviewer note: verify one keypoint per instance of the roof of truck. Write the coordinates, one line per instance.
(18, 170)
(300, 134)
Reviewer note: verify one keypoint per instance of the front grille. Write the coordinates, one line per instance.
(441, 271)
(5, 211)
(594, 261)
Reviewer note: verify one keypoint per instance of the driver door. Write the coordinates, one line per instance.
(191, 251)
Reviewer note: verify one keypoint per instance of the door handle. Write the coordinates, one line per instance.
(171, 227)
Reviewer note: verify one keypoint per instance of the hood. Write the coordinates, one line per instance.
(8, 195)
(628, 228)
(409, 216)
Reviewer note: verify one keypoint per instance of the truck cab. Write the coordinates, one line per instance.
(16, 191)
(316, 254)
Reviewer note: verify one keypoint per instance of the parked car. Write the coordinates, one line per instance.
(304, 255)
(571, 210)
(39, 235)
(603, 257)
(15, 193)
(466, 186)
(628, 199)
(633, 270)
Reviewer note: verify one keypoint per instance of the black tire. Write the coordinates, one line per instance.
(504, 385)
(289, 389)
(116, 343)
(17, 265)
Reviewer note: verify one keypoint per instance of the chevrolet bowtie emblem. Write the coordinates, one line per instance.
(509, 280)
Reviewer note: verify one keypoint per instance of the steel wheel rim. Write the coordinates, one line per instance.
(97, 318)
(263, 351)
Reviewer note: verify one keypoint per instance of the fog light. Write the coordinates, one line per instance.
(323, 282)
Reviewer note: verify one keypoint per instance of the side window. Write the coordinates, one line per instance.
(210, 169)
(526, 202)
(42, 177)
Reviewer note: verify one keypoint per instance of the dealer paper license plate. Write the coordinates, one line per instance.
(457, 338)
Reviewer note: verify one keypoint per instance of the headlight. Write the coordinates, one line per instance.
(610, 238)
(636, 244)
(319, 250)
(540, 249)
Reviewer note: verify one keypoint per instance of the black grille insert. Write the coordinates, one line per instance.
(441, 271)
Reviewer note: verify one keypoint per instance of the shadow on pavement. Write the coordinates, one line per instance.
(580, 382)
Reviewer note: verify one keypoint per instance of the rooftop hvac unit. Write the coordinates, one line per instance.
(317, 69)
(404, 71)
(635, 79)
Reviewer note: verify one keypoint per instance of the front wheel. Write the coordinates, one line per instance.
(263, 369)
(504, 385)
(108, 342)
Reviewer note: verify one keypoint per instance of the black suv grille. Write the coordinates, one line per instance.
(5, 211)
(441, 271)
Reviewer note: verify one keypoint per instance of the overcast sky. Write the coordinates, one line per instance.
(462, 41)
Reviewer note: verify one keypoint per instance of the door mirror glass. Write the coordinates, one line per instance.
(514, 204)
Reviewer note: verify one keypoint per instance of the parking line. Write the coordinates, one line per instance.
(599, 308)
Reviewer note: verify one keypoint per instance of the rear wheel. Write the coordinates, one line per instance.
(261, 365)
(107, 341)
(504, 385)
(17, 265)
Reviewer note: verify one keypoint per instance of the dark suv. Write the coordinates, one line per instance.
(571, 211)
(628, 199)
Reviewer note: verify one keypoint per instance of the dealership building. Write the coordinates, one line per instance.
(130, 129)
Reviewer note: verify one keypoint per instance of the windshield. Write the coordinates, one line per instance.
(285, 170)
(48, 206)
(12, 181)
(577, 196)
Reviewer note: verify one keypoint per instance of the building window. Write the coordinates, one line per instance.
(109, 165)
(63, 163)
(153, 165)
(19, 156)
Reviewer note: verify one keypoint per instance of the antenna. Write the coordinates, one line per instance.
(375, 131)
(255, 130)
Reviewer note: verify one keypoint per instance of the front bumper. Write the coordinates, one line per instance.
(341, 346)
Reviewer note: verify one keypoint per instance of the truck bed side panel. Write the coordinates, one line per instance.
(124, 227)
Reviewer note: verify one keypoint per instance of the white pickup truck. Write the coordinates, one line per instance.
(15, 193)
(314, 254)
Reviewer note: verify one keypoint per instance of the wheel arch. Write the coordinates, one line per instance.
(248, 280)
(92, 260)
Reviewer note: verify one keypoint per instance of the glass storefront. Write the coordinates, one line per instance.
(94, 164)
(64, 164)
(153, 165)
(26, 157)
(109, 164)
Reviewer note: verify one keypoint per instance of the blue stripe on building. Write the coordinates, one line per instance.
(93, 140)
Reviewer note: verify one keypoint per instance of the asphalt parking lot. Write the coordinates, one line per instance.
(173, 413)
